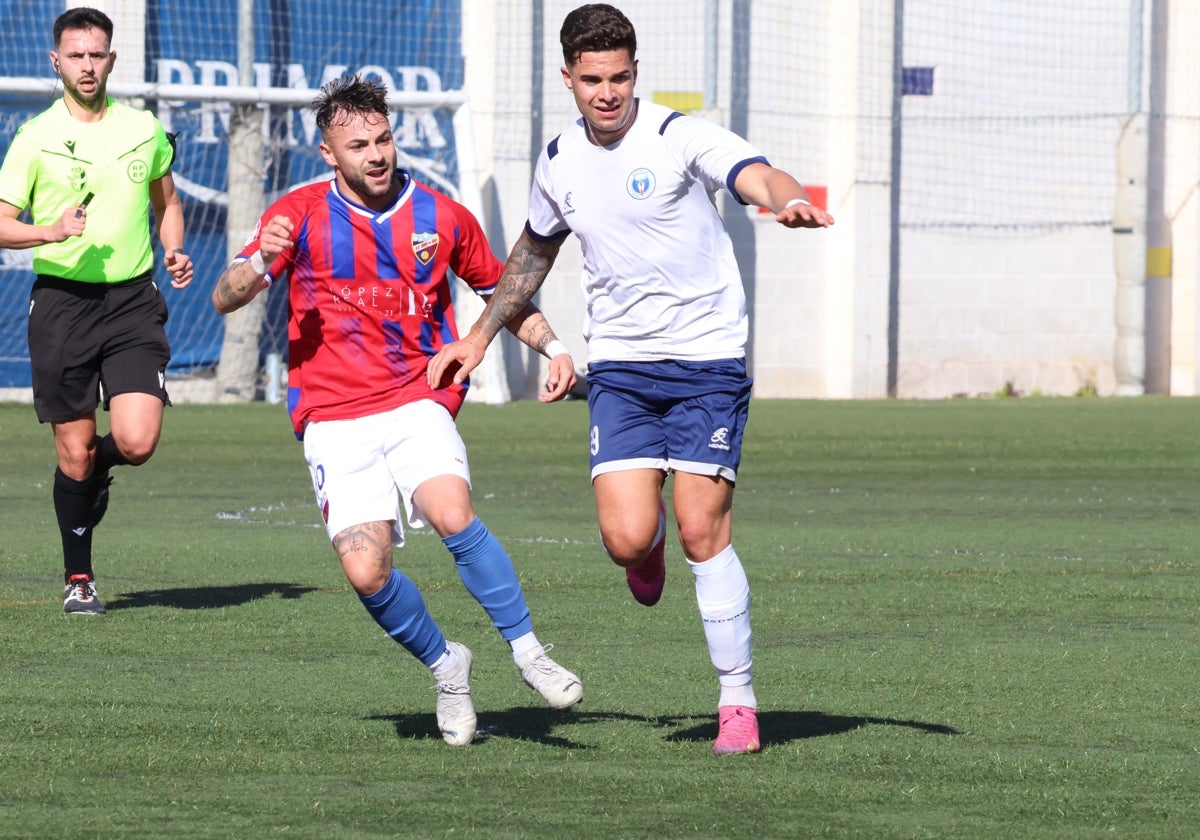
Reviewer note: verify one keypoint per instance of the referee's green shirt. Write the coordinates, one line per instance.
(55, 160)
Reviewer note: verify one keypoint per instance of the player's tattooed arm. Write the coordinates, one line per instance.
(526, 269)
(531, 328)
(237, 286)
(528, 265)
(241, 281)
(530, 325)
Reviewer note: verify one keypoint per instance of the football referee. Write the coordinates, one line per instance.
(88, 169)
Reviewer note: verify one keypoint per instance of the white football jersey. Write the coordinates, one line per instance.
(660, 277)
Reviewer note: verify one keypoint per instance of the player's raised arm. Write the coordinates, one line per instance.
(524, 273)
(244, 279)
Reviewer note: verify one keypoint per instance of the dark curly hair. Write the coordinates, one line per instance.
(347, 97)
(596, 27)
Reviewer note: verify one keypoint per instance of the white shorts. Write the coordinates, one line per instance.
(362, 468)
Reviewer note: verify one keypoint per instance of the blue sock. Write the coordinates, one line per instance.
(399, 609)
(489, 576)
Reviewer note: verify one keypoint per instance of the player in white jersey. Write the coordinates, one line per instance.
(648, 298)
(666, 328)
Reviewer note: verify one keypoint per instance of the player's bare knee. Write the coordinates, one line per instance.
(140, 455)
(626, 550)
(453, 519)
(137, 450)
(700, 544)
(76, 461)
(366, 581)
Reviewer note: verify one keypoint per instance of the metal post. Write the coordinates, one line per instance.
(1158, 226)
(237, 372)
(537, 87)
(711, 46)
(893, 330)
(1129, 224)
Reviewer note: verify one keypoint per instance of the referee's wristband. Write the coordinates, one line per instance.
(256, 262)
(554, 348)
(796, 201)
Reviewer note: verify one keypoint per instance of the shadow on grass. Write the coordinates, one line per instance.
(205, 597)
(775, 728)
(522, 724)
(537, 724)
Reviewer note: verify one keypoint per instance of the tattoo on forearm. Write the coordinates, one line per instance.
(540, 335)
(531, 328)
(235, 286)
(527, 267)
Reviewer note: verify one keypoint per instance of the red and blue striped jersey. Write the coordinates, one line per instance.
(369, 298)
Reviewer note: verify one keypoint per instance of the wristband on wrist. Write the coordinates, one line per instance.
(256, 262)
(554, 348)
(796, 201)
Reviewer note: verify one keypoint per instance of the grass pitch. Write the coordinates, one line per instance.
(972, 619)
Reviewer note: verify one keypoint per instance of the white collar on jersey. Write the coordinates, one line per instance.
(407, 185)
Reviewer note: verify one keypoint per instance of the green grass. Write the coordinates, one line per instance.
(972, 619)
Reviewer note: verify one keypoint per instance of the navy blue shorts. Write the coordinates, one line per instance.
(668, 415)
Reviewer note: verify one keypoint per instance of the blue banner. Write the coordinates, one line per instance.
(300, 44)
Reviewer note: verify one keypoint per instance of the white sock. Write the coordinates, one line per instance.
(723, 594)
(738, 695)
(523, 644)
(447, 661)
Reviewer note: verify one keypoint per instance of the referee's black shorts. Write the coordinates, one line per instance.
(87, 336)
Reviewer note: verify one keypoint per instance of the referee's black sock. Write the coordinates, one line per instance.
(73, 501)
(108, 455)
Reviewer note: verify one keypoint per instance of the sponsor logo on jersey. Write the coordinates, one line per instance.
(640, 183)
(425, 246)
(78, 178)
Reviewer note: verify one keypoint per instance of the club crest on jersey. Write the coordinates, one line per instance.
(425, 246)
(640, 183)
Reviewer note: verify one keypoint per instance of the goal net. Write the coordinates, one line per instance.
(189, 62)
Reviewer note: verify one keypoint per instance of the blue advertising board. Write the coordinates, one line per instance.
(414, 45)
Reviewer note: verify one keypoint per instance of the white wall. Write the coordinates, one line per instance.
(981, 314)
(1180, 195)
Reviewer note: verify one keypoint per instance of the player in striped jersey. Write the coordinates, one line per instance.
(366, 258)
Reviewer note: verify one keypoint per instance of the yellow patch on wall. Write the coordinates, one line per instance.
(684, 101)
